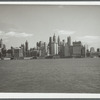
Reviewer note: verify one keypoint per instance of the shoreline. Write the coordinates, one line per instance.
(30, 58)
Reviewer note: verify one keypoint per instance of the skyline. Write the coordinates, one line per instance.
(38, 23)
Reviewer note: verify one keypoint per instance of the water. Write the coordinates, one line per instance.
(51, 75)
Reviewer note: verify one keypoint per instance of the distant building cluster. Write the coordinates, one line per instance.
(54, 49)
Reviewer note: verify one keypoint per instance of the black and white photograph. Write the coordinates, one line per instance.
(49, 48)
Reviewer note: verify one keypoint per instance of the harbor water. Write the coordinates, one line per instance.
(50, 75)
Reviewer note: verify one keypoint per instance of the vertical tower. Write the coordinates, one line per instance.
(69, 41)
(54, 38)
(37, 45)
(12, 52)
(23, 49)
(54, 46)
(26, 49)
(1, 43)
(1, 46)
(26, 45)
(92, 50)
(58, 40)
(63, 42)
(50, 42)
(66, 50)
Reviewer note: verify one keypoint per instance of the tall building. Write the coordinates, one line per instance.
(54, 50)
(63, 42)
(50, 42)
(26, 49)
(77, 49)
(42, 47)
(1, 43)
(23, 48)
(98, 49)
(58, 40)
(45, 47)
(69, 41)
(92, 50)
(54, 46)
(18, 53)
(54, 38)
(4, 50)
(71, 51)
(9, 53)
(26, 45)
(83, 51)
(66, 50)
(12, 51)
(62, 48)
(87, 53)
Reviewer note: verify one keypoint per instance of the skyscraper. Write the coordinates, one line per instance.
(37, 45)
(66, 50)
(26, 45)
(63, 42)
(54, 38)
(98, 49)
(4, 50)
(58, 40)
(53, 46)
(42, 47)
(77, 49)
(23, 48)
(1, 43)
(69, 41)
(26, 49)
(92, 50)
(62, 48)
(50, 42)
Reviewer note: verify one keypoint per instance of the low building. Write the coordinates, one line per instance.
(83, 51)
(71, 51)
(9, 53)
(18, 53)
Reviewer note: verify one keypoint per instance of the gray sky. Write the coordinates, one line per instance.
(35, 23)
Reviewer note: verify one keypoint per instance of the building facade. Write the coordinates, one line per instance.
(18, 53)
(67, 50)
(77, 49)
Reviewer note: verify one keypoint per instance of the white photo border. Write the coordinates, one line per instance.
(49, 95)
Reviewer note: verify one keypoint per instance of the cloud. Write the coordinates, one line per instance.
(17, 34)
(14, 34)
(1, 32)
(65, 32)
(90, 40)
(91, 37)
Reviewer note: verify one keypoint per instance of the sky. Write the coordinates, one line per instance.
(34, 23)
